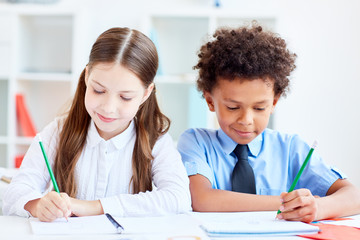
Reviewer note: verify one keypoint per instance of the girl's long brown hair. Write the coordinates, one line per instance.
(136, 52)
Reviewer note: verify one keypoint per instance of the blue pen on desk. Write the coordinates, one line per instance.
(118, 227)
(49, 168)
(292, 187)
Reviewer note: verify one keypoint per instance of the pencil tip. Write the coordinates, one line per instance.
(314, 144)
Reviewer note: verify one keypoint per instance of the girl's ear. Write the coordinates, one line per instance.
(209, 100)
(147, 93)
(86, 75)
(276, 99)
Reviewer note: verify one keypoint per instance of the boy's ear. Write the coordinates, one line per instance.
(276, 99)
(209, 100)
(147, 93)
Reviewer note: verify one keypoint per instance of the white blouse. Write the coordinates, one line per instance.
(103, 172)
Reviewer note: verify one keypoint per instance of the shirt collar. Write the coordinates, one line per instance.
(118, 142)
(229, 145)
(255, 145)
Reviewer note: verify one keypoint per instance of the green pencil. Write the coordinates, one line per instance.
(292, 187)
(48, 166)
(49, 169)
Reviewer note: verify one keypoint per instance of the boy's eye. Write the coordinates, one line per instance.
(260, 109)
(232, 108)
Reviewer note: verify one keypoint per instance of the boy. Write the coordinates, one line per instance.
(242, 74)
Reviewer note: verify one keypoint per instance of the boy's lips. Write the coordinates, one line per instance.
(105, 119)
(243, 133)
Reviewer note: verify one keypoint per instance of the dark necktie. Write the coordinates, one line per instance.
(243, 179)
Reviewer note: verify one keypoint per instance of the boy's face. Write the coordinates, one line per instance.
(242, 108)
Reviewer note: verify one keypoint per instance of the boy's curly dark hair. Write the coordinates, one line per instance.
(245, 53)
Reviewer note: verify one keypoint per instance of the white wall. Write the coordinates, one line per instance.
(324, 101)
(324, 97)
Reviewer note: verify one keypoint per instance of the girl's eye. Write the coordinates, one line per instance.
(126, 98)
(259, 109)
(97, 92)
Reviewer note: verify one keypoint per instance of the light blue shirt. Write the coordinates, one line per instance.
(275, 158)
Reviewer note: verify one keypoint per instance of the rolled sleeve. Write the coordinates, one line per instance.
(193, 155)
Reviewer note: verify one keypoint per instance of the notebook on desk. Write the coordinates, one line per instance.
(75, 225)
(250, 223)
(176, 227)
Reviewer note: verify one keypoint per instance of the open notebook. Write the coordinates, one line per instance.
(250, 223)
(75, 225)
(157, 227)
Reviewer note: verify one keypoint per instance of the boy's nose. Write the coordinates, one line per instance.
(245, 118)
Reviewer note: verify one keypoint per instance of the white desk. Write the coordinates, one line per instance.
(177, 227)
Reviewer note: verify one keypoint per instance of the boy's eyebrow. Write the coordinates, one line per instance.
(234, 101)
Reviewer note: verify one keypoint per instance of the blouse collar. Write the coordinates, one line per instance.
(119, 141)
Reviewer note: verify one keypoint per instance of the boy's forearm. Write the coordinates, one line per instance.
(227, 201)
(343, 202)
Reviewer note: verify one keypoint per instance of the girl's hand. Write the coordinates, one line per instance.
(298, 205)
(50, 207)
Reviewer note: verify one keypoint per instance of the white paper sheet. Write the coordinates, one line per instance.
(76, 225)
(349, 222)
(245, 223)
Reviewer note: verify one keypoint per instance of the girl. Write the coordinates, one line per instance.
(111, 153)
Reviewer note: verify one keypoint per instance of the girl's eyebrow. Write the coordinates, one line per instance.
(128, 91)
(98, 83)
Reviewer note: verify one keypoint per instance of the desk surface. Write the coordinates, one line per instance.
(182, 227)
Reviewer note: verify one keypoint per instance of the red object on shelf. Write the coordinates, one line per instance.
(18, 160)
(23, 116)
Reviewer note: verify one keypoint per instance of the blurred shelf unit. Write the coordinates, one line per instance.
(178, 35)
(37, 60)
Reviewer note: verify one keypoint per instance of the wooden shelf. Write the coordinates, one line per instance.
(43, 76)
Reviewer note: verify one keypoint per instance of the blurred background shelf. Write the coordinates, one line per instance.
(37, 60)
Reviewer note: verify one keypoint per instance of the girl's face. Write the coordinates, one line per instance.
(113, 96)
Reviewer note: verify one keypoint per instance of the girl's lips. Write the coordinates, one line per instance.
(105, 119)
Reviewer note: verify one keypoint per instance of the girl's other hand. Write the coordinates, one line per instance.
(298, 205)
(50, 207)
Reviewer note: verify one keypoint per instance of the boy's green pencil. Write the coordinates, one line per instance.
(292, 187)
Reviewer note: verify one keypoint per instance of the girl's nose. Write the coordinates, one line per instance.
(109, 105)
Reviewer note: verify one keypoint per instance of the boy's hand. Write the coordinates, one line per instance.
(50, 207)
(298, 205)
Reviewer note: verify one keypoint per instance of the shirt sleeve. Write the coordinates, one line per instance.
(317, 176)
(33, 179)
(170, 194)
(193, 153)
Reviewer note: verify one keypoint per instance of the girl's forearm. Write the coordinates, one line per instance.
(86, 208)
